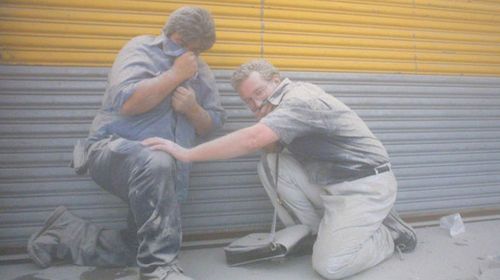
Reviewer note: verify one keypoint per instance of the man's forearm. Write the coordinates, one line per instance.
(238, 143)
(151, 92)
(201, 120)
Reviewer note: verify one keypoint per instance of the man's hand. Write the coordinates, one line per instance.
(184, 100)
(185, 66)
(160, 144)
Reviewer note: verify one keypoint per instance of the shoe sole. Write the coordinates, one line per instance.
(50, 220)
(410, 229)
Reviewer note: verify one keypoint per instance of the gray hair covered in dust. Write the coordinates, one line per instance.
(266, 70)
(193, 24)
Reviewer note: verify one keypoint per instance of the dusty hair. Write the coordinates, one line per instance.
(193, 24)
(266, 70)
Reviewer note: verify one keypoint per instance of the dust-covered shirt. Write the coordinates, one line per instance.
(326, 136)
(146, 57)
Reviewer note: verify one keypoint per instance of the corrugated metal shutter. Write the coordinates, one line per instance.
(44, 110)
(397, 36)
(441, 131)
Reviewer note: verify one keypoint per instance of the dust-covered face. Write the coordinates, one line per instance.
(255, 90)
(194, 46)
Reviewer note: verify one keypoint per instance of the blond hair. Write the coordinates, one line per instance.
(266, 70)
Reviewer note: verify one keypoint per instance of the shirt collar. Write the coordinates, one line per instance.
(279, 92)
(169, 47)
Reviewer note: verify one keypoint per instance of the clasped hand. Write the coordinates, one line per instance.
(185, 66)
(184, 100)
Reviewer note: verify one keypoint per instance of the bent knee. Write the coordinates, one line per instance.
(153, 175)
(124, 147)
(159, 162)
(335, 266)
(153, 165)
(336, 256)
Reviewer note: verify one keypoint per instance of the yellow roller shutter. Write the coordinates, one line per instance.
(395, 36)
(89, 33)
(452, 37)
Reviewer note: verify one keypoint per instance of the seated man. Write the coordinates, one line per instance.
(334, 174)
(158, 86)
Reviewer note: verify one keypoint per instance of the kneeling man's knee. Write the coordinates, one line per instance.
(334, 267)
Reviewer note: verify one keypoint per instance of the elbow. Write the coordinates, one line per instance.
(258, 137)
(253, 143)
(127, 110)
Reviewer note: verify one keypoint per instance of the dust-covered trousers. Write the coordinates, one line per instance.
(144, 179)
(347, 216)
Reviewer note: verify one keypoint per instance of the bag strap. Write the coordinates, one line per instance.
(272, 235)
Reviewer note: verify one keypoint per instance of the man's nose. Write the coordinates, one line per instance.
(258, 104)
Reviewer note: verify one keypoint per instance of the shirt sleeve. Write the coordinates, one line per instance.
(130, 67)
(293, 118)
(123, 95)
(211, 100)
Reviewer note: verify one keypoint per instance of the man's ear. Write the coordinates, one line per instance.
(276, 79)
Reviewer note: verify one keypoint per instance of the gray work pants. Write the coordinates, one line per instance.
(144, 179)
(346, 216)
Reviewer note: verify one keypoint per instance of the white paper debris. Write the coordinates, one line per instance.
(453, 223)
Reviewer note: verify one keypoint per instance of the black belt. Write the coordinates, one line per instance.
(369, 172)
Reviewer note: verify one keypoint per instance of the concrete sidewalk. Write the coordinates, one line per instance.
(474, 254)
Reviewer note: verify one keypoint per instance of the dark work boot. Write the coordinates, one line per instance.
(58, 239)
(405, 238)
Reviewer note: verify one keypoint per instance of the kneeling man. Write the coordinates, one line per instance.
(334, 174)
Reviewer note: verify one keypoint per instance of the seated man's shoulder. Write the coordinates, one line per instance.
(139, 41)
